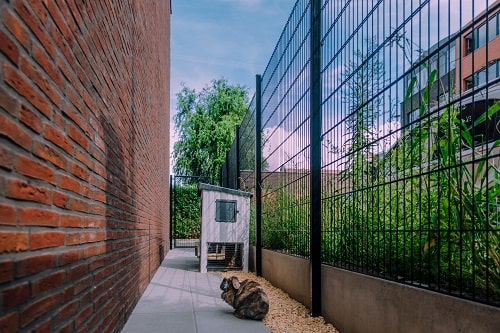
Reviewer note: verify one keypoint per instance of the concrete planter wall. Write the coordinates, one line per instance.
(355, 302)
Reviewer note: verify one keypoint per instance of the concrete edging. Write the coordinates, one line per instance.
(354, 302)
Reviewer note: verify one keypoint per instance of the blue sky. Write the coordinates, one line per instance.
(233, 39)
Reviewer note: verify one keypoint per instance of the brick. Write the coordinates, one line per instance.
(67, 294)
(60, 200)
(78, 205)
(15, 295)
(69, 257)
(7, 214)
(42, 327)
(79, 171)
(83, 315)
(38, 216)
(40, 80)
(13, 241)
(86, 191)
(8, 103)
(97, 263)
(66, 311)
(9, 322)
(83, 285)
(57, 137)
(15, 26)
(91, 236)
(39, 10)
(69, 184)
(30, 118)
(46, 239)
(66, 327)
(6, 271)
(18, 189)
(27, 90)
(94, 250)
(99, 195)
(78, 271)
(94, 222)
(75, 134)
(37, 308)
(29, 167)
(59, 120)
(6, 158)
(9, 48)
(35, 264)
(73, 238)
(66, 70)
(48, 65)
(72, 221)
(36, 27)
(85, 158)
(49, 154)
(48, 282)
(14, 132)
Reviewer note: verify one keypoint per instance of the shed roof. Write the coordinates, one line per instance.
(208, 187)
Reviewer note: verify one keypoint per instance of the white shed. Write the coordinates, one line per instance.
(225, 221)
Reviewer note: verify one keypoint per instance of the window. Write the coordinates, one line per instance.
(492, 27)
(480, 77)
(483, 34)
(225, 210)
(452, 57)
(480, 36)
(468, 83)
(469, 43)
(483, 75)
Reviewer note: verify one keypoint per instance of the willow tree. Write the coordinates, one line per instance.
(205, 122)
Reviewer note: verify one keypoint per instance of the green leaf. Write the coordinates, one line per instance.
(487, 114)
(409, 91)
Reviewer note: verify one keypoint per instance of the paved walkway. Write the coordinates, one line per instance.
(180, 299)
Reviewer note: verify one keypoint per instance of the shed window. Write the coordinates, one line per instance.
(225, 210)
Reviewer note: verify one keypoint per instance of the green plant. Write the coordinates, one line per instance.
(285, 222)
(427, 211)
(186, 212)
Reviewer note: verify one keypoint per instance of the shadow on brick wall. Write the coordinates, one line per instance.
(126, 245)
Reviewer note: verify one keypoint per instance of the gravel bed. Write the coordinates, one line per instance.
(285, 315)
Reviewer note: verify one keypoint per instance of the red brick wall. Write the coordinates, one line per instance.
(84, 137)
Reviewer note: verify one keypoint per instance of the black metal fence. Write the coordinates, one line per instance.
(185, 220)
(385, 115)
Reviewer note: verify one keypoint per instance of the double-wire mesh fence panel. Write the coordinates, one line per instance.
(410, 142)
(285, 138)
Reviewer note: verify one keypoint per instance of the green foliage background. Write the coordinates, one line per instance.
(205, 122)
(186, 212)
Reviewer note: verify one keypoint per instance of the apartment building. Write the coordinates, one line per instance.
(468, 67)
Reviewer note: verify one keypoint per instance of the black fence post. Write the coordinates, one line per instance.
(237, 157)
(171, 210)
(315, 180)
(228, 172)
(258, 176)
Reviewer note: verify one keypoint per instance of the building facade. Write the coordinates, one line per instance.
(468, 74)
(84, 160)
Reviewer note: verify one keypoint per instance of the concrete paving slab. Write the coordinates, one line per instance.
(181, 299)
(167, 322)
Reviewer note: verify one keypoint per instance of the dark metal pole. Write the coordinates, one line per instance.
(171, 210)
(315, 187)
(237, 157)
(258, 176)
(227, 171)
